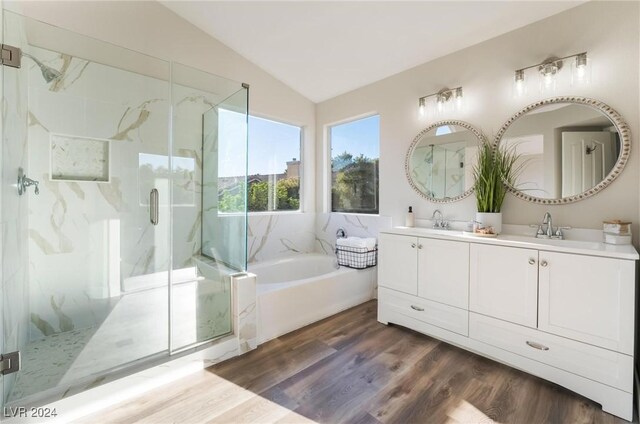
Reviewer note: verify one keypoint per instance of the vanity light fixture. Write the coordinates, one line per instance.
(442, 100)
(548, 71)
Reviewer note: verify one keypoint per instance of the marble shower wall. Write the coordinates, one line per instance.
(327, 224)
(277, 235)
(89, 241)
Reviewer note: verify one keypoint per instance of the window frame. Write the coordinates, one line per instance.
(328, 168)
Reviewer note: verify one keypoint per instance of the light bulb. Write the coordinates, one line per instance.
(458, 95)
(548, 79)
(421, 106)
(581, 73)
(519, 84)
(548, 74)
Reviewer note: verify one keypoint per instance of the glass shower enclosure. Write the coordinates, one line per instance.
(111, 164)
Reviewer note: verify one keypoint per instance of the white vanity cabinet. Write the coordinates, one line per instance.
(561, 311)
(589, 299)
(504, 283)
(427, 279)
(443, 271)
(398, 266)
(432, 269)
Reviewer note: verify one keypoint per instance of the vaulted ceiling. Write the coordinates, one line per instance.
(322, 49)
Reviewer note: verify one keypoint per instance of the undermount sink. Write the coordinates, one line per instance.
(578, 244)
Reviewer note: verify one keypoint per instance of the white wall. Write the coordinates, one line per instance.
(608, 31)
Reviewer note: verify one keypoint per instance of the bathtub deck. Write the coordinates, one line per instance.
(350, 368)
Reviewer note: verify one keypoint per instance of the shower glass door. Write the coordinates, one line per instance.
(86, 246)
(2, 224)
(209, 141)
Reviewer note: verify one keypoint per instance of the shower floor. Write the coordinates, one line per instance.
(135, 328)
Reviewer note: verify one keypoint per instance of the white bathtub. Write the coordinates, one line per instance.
(299, 290)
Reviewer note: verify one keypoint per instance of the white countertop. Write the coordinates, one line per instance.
(583, 247)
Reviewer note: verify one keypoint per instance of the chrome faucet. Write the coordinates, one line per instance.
(438, 219)
(549, 223)
(549, 232)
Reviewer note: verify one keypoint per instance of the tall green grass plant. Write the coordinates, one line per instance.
(495, 169)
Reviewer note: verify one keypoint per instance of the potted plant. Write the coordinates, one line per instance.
(496, 167)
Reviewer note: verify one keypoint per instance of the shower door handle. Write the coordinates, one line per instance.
(153, 206)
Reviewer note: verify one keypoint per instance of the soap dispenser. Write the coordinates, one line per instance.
(410, 220)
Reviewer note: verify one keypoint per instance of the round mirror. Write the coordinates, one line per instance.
(439, 163)
(569, 149)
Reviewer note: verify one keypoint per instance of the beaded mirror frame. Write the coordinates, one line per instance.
(476, 132)
(617, 120)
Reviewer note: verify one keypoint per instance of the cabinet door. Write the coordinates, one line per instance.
(588, 298)
(398, 263)
(504, 283)
(443, 271)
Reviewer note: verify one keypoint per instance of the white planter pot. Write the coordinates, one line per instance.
(489, 219)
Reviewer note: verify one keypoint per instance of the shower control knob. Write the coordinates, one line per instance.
(25, 182)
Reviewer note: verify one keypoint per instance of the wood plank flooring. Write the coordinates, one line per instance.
(350, 368)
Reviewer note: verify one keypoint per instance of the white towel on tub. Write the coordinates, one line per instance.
(369, 242)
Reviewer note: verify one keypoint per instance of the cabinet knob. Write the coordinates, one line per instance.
(413, 245)
(419, 246)
(543, 263)
(532, 261)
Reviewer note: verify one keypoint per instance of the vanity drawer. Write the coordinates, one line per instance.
(602, 365)
(434, 313)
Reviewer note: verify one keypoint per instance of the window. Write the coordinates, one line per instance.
(273, 174)
(273, 169)
(355, 152)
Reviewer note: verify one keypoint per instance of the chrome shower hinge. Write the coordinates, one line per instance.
(11, 56)
(10, 363)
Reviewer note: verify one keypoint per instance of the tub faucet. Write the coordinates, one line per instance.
(341, 233)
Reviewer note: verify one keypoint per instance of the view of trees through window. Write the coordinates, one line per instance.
(273, 176)
(355, 152)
